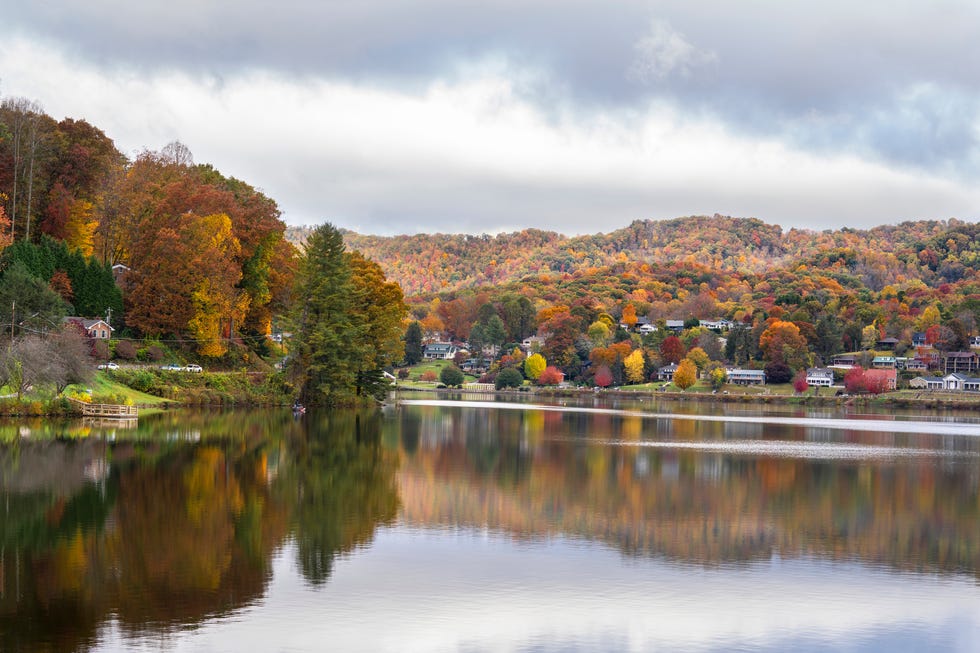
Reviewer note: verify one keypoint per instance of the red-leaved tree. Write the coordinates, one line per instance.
(603, 377)
(854, 381)
(799, 382)
(551, 376)
(672, 350)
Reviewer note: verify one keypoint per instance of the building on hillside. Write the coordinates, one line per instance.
(884, 362)
(440, 351)
(746, 377)
(919, 339)
(95, 329)
(887, 343)
(974, 342)
(962, 362)
(821, 377)
(916, 365)
(532, 344)
(666, 373)
(646, 329)
(845, 360)
(888, 377)
(961, 382)
(641, 321)
(675, 325)
(926, 383)
(717, 325)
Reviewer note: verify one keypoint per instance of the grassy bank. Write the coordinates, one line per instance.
(207, 388)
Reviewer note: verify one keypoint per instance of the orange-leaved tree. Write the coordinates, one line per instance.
(686, 374)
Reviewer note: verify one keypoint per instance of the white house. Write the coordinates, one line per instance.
(440, 351)
(666, 372)
(822, 377)
(718, 325)
(959, 382)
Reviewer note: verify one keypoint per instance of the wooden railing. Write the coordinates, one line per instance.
(483, 388)
(113, 411)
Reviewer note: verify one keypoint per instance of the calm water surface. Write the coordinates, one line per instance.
(482, 526)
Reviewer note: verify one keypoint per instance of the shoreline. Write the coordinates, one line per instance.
(56, 408)
(883, 401)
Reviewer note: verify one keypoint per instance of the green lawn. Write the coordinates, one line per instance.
(102, 385)
(415, 374)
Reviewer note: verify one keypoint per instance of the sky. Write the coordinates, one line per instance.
(575, 116)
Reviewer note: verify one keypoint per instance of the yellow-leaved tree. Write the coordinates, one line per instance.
(534, 365)
(215, 300)
(634, 366)
(699, 357)
(80, 226)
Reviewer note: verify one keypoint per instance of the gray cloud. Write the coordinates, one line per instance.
(892, 85)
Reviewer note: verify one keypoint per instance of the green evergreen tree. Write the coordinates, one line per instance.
(35, 306)
(413, 344)
(325, 333)
(348, 323)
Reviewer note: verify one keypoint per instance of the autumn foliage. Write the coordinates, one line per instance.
(686, 374)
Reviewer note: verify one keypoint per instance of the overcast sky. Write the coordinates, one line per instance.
(408, 116)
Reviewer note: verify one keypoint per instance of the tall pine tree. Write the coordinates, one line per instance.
(348, 322)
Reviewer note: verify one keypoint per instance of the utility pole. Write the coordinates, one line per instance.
(108, 316)
(13, 308)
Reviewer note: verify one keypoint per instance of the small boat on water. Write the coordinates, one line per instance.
(298, 409)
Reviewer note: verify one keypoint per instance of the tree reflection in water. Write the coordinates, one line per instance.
(344, 487)
(179, 522)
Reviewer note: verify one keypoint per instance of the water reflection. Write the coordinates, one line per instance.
(533, 473)
(177, 524)
(111, 535)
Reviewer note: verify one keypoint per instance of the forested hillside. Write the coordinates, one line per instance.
(200, 257)
(934, 252)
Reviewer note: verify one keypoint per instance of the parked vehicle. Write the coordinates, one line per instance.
(108, 366)
(172, 367)
(193, 368)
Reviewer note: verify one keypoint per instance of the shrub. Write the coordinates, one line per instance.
(155, 353)
(429, 376)
(508, 378)
(125, 350)
(403, 373)
(142, 380)
(100, 350)
(451, 376)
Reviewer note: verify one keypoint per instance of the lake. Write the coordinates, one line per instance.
(446, 525)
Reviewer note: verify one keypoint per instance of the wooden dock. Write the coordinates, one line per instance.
(105, 411)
